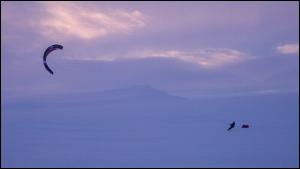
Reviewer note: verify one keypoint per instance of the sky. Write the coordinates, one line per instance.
(142, 84)
(192, 49)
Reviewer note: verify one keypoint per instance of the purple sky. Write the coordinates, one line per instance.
(192, 49)
(232, 60)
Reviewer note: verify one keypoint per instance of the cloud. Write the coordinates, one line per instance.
(205, 58)
(288, 49)
(73, 20)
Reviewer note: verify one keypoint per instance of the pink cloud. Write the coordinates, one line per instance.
(288, 49)
(72, 20)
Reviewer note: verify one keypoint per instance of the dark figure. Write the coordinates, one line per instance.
(231, 125)
(245, 126)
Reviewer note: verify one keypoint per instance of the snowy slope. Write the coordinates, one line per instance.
(144, 127)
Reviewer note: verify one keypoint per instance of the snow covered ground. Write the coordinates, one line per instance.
(146, 127)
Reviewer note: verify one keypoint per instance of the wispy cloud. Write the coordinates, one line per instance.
(288, 49)
(206, 58)
(73, 20)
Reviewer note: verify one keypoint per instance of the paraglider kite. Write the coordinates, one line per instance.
(46, 53)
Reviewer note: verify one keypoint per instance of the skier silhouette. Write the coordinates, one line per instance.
(231, 126)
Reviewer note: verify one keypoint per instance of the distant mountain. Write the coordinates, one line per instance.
(136, 92)
(139, 94)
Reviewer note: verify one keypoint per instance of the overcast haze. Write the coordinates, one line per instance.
(188, 54)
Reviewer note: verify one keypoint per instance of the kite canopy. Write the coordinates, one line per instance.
(47, 52)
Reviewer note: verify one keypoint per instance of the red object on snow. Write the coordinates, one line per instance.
(245, 126)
